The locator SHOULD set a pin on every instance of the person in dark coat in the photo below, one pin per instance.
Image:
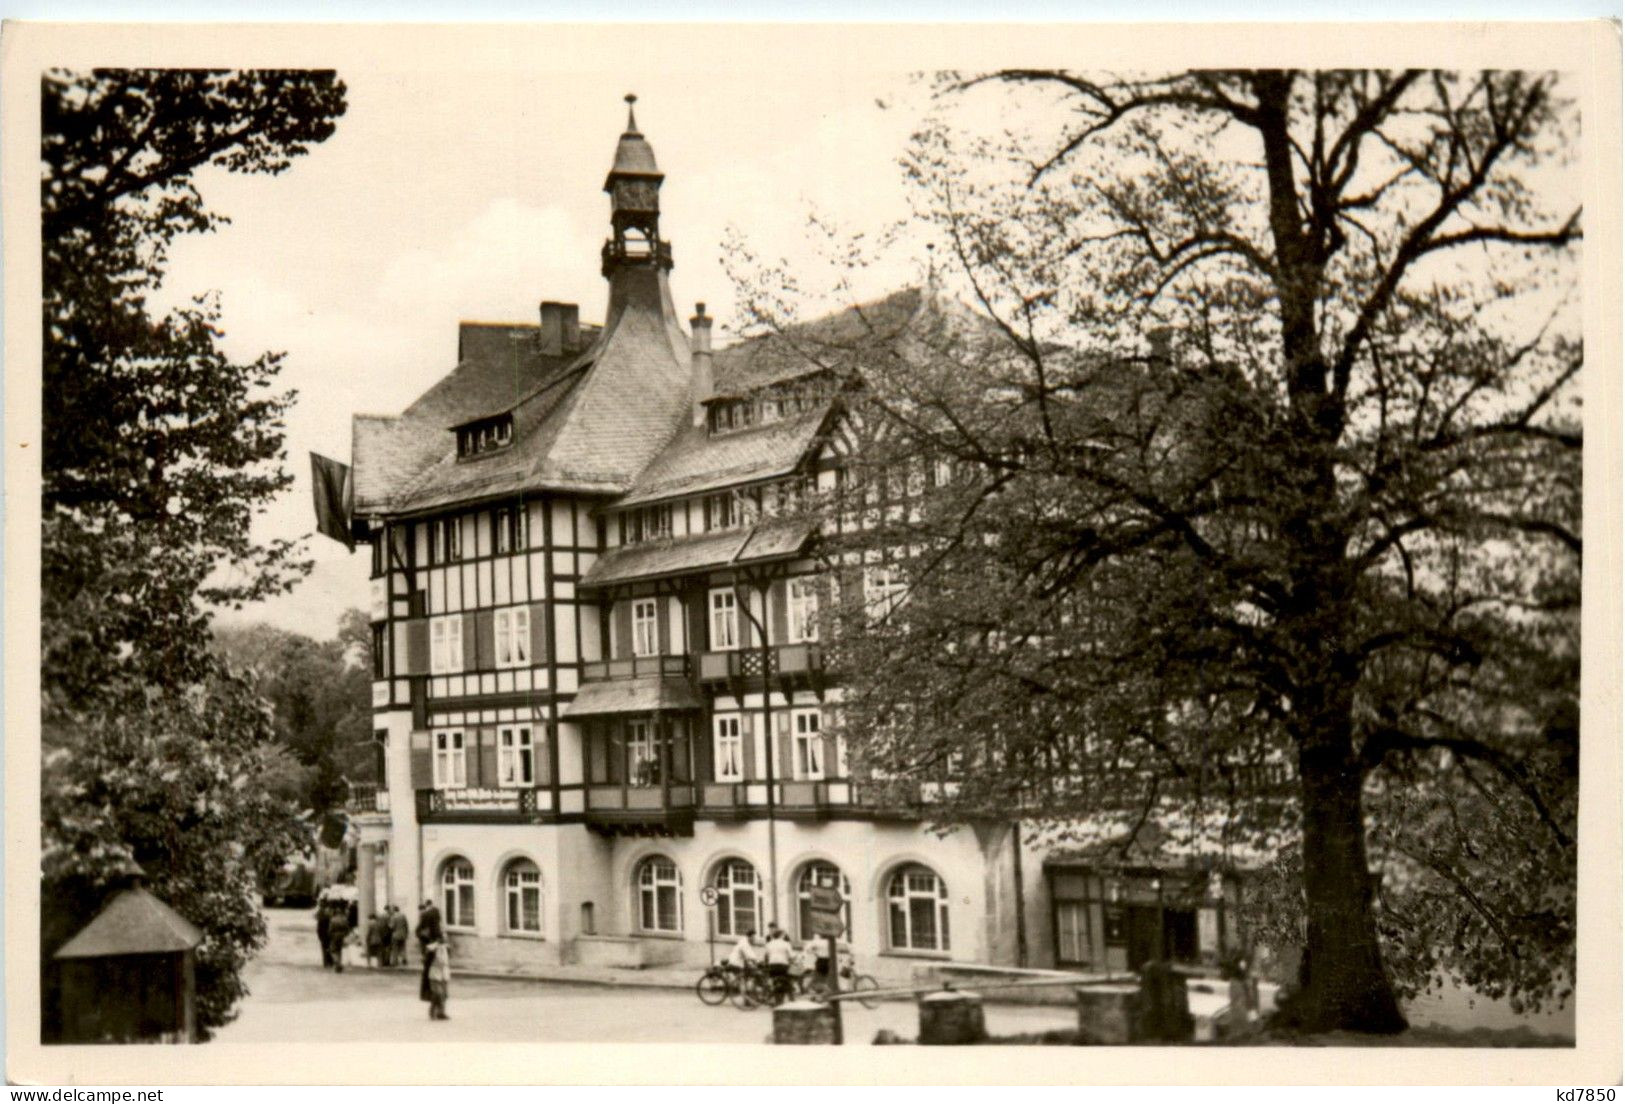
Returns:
(324, 920)
(428, 933)
(377, 941)
(338, 930)
(399, 929)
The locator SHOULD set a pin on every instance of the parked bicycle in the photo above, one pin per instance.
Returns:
(816, 985)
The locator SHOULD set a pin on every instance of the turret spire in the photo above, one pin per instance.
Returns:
(633, 185)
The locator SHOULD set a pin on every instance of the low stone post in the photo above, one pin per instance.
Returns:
(1165, 1007)
(807, 1023)
(951, 1018)
(1107, 1014)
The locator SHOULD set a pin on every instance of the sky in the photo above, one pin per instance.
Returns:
(444, 196)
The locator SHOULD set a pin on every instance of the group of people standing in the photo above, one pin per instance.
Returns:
(778, 953)
(384, 940)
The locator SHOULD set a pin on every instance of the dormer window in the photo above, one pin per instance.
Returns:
(486, 435)
(646, 524)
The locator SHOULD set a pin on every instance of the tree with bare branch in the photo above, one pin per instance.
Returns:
(1259, 460)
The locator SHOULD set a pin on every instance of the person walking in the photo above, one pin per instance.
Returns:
(438, 973)
(428, 932)
(338, 930)
(399, 929)
(324, 921)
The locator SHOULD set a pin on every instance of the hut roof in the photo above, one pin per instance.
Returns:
(133, 922)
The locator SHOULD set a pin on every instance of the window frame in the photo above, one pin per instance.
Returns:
(511, 629)
(647, 891)
(808, 767)
(449, 748)
(731, 608)
(719, 736)
(516, 756)
(446, 644)
(457, 894)
(728, 890)
(901, 904)
(801, 609)
(641, 734)
(881, 599)
(515, 888)
(645, 630)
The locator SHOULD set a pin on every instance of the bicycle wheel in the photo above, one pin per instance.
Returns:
(713, 987)
(815, 986)
(864, 984)
(746, 991)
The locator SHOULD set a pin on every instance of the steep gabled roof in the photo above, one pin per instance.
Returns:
(498, 364)
(772, 539)
(695, 461)
(833, 342)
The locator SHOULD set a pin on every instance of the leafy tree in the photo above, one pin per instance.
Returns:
(1254, 498)
(158, 450)
(321, 700)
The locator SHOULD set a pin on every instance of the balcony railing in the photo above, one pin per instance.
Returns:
(671, 666)
(367, 797)
(639, 810)
(748, 663)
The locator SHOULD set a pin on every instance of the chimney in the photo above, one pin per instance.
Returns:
(699, 348)
(561, 328)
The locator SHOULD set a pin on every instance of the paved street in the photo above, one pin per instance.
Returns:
(295, 1001)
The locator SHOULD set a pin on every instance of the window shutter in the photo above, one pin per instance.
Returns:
(417, 647)
(779, 612)
(487, 757)
(422, 761)
(785, 766)
(614, 752)
(470, 642)
(540, 764)
(704, 735)
(623, 629)
(699, 621)
(538, 632)
(747, 737)
(663, 626)
(486, 637)
(829, 754)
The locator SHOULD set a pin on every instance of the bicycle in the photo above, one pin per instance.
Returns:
(816, 986)
(717, 984)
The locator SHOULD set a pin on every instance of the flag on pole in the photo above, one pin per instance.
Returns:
(335, 498)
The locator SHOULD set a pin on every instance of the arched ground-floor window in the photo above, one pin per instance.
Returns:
(457, 893)
(522, 898)
(917, 910)
(659, 889)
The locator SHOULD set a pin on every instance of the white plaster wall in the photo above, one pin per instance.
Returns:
(405, 890)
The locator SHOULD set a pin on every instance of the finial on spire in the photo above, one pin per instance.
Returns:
(631, 119)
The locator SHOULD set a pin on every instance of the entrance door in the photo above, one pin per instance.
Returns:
(1144, 935)
(1179, 929)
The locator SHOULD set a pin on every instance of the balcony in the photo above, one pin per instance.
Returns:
(796, 800)
(367, 799)
(797, 662)
(483, 805)
(669, 666)
(641, 810)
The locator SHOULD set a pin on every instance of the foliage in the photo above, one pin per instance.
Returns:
(158, 450)
(320, 697)
(1253, 498)
(172, 781)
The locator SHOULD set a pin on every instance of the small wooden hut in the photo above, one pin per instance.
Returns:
(129, 975)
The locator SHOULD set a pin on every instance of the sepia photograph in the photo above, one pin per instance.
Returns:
(761, 537)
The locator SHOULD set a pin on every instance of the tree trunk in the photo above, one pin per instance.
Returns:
(1345, 985)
